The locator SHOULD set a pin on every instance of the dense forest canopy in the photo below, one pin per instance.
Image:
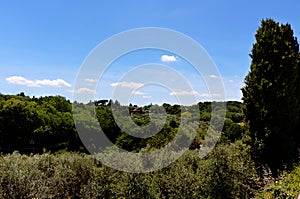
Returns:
(46, 123)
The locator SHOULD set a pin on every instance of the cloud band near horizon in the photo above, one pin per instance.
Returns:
(19, 80)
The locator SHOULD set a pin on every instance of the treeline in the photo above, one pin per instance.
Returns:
(32, 125)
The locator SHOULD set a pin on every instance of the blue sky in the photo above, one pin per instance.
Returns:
(44, 43)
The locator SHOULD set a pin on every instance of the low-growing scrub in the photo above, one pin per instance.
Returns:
(288, 187)
(227, 172)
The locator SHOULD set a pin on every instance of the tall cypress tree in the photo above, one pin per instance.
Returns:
(270, 94)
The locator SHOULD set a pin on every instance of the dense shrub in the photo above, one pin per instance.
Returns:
(289, 187)
(50, 176)
(227, 172)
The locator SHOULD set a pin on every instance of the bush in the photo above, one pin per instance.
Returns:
(50, 176)
(289, 187)
(227, 172)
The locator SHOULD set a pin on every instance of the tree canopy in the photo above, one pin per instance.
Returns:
(270, 94)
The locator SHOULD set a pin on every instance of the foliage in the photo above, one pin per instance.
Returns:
(268, 121)
(286, 188)
(46, 176)
(31, 124)
(228, 172)
(270, 96)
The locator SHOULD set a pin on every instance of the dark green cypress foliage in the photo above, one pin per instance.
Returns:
(270, 94)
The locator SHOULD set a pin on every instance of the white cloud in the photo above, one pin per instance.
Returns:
(242, 84)
(146, 96)
(204, 95)
(230, 81)
(54, 83)
(37, 83)
(213, 76)
(90, 80)
(210, 95)
(127, 84)
(21, 81)
(83, 91)
(137, 93)
(194, 93)
(168, 58)
(173, 93)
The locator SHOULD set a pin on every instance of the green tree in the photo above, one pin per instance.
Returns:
(17, 121)
(270, 99)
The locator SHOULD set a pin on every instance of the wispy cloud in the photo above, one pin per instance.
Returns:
(138, 93)
(210, 95)
(178, 93)
(83, 91)
(168, 58)
(146, 96)
(213, 76)
(127, 84)
(90, 80)
(37, 83)
(194, 93)
(242, 84)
